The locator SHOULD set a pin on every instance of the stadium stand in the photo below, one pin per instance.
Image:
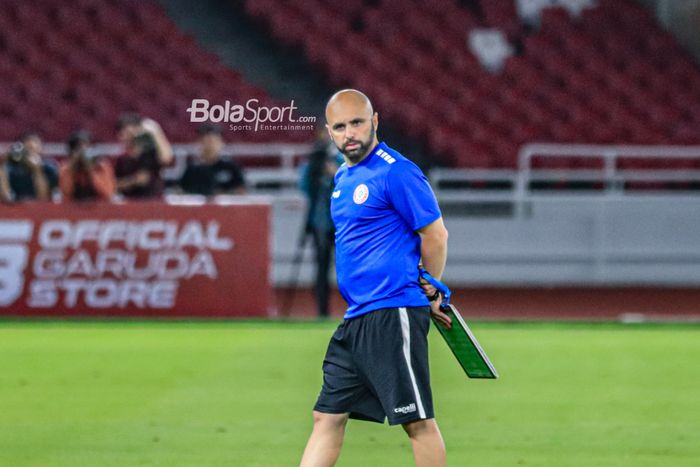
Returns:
(606, 75)
(609, 75)
(66, 65)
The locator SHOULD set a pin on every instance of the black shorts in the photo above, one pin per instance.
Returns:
(376, 366)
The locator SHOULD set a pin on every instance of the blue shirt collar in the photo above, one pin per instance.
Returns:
(380, 145)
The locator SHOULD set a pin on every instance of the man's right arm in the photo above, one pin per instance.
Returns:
(103, 181)
(41, 184)
(5, 196)
(66, 184)
(164, 149)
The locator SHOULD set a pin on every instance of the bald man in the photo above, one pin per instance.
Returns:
(387, 220)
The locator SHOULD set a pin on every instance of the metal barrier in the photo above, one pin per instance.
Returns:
(516, 185)
(500, 184)
(610, 174)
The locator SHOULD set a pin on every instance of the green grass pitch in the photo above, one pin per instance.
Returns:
(240, 394)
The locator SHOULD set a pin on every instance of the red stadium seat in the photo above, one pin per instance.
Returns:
(86, 61)
(610, 76)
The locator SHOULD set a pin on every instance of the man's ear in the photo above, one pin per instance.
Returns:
(375, 120)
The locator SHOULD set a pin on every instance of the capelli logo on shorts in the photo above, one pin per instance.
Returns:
(405, 409)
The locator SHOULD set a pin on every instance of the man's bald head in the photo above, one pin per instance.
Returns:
(352, 124)
(349, 98)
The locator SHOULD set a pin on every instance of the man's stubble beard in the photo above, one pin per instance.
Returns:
(356, 155)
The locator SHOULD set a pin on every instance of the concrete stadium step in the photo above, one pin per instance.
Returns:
(223, 29)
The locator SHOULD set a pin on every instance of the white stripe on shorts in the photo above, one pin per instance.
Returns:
(406, 334)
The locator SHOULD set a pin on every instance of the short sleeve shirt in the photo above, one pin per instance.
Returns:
(22, 182)
(210, 179)
(377, 207)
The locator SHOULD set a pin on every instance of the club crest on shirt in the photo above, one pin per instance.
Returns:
(361, 194)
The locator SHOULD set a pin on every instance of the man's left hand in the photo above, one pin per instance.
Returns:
(435, 310)
(428, 289)
(440, 315)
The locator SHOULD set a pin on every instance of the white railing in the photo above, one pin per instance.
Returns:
(610, 174)
(498, 185)
(285, 155)
(517, 184)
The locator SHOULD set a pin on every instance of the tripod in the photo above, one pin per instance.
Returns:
(293, 282)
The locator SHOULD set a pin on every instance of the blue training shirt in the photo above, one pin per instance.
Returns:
(377, 206)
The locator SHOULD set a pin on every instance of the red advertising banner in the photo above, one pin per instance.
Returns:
(139, 259)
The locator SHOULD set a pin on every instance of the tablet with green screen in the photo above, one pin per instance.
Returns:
(465, 347)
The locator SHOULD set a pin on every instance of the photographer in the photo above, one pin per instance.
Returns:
(210, 174)
(147, 150)
(83, 178)
(29, 177)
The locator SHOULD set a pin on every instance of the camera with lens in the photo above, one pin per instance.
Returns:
(145, 141)
(17, 153)
(79, 149)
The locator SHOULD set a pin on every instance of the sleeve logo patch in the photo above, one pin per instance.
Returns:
(361, 194)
